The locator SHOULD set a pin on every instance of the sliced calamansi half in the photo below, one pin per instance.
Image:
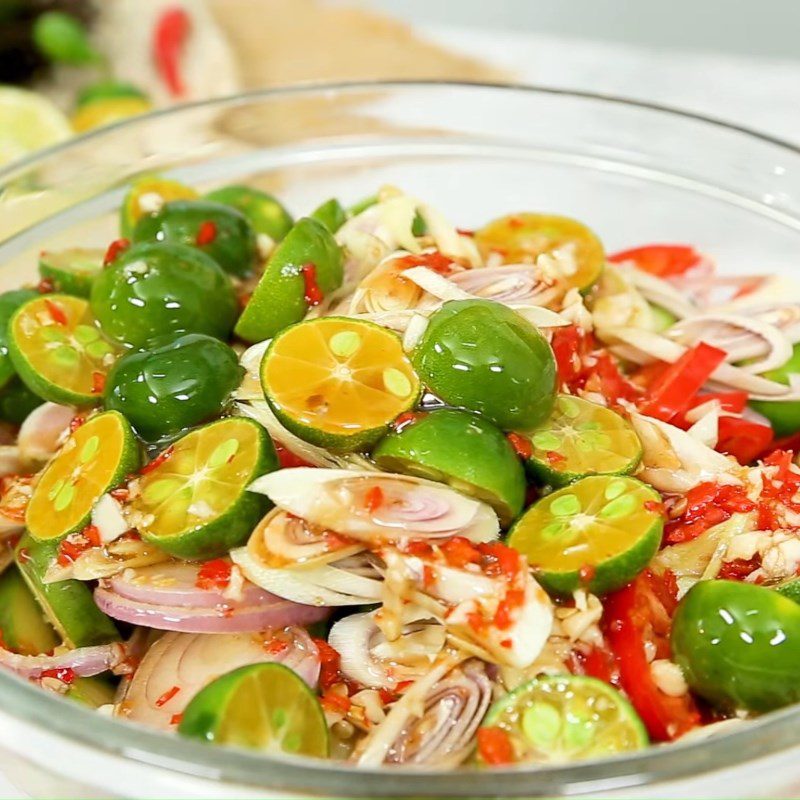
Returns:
(523, 237)
(193, 500)
(581, 438)
(28, 122)
(95, 458)
(598, 532)
(265, 707)
(146, 196)
(71, 271)
(59, 351)
(338, 382)
(565, 718)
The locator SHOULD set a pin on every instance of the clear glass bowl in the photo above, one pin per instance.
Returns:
(634, 173)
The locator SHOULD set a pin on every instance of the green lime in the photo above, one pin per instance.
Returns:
(784, 416)
(68, 605)
(24, 628)
(484, 357)
(108, 90)
(163, 289)
(147, 195)
(789, 588)
(579, 439)
(565, 718)
(217, 230)
(264, 707)
(524, 237)
(29, 121)
(17, 401)
(598, 532)
(63, 38)
(338, 382)
(59, 351)
(9, 302)
(462, 450)
(331, 214)
(95, 458)
(193, 500)
(263, 211)
(71, 271)
(304, 269)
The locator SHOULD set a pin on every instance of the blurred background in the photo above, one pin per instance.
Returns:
(67, 66)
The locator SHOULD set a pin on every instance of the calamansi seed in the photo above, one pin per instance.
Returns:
(396, 382)
(546, 440)
(64, 497)
(621, 506)
(89, 449)
(541, 724)
(567, 505)
(569, 407)
(345, 343)
(55, 489)
(223, 453)
(84, 334)
(614, 489)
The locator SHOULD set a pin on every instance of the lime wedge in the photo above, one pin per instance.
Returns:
(28, 122)
(599, 532)
(582, 438)
(565, 718)
(264, 707)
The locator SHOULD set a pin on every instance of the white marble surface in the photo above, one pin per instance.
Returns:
(756, 92)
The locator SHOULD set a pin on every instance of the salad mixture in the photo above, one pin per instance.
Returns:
(369, 487)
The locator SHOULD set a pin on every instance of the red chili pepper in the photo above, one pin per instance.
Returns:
(57, 314)
(707, 504)
(597, 662)
(312, 294)
(664, 260)
(167, 696)
(554, 457)
(98, 382)
(569, 345)
(68, 552)
(606, 378)
(521, 444)
(500, 560)
(45, 286)
(114, 249)
(633, 617)
(408, 418)
(434, 261)
(743, 439)
(428, 576)
(275, 646)
(214, 574)
(330, 672)
(671, 393)
(176, 719)
(206, 233)
(169, 37)
(460, 551)
(288, 459)
(503, 616)
(373, 499)
(494, 746)
(338, 703)
(465, 232)
(586, 574)
(738, 569)
(63, 674)
(92, 535)
(163, 456)
(75, 423)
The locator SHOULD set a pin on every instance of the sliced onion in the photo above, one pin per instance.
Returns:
(436, 284)
(335, 499)
(368, 658)
(84, 661)
(511, 283)
(250, 387)
(442, 736)
(336, 584)
(659, 292)
(42, 432)
(739, 336)
(178, 665)
(377, 745)
(448, 240)
(257, 611)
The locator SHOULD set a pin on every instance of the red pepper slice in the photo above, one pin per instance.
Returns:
(494, 746)
(169, 36)
(312, 293)
(288, 459)
(673, 391)
(634, 616)
(114, 249)
(664, 260)
(743, 439)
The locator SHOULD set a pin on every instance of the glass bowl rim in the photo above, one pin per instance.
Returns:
(769, 735)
